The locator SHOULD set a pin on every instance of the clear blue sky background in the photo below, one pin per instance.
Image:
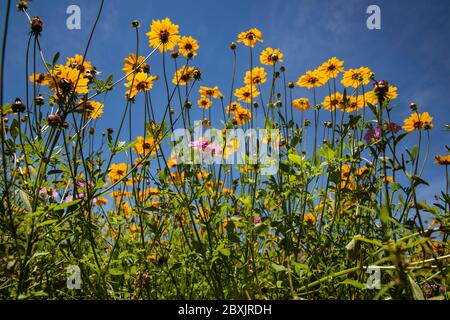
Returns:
(411, 50)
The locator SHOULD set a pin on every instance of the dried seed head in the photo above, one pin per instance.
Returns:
(110, 131)
(206, 123)
(36, 25)
(291, 84)
(282, 69)
(279, 104)
(197, 74)
(255, 104)
(91, 131)
(413, 106)
(39, 100)
(18, 106)
(188, 105)
(22, 5)
(233, 46)
(306, 123)
(54, 120)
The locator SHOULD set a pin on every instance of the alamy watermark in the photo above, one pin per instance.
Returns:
(73, 21)
(374, 20)
(374, 280)
(73, 277)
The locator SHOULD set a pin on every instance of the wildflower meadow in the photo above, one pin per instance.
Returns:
(258, 187)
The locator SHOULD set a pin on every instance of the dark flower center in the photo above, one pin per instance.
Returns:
(164, 36)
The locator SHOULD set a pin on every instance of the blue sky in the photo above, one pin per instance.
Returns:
(410, 51)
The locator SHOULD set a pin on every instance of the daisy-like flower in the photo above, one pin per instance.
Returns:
(100, 202)
(117, 172)
(332, 102)
(270, 56)
(246, 93)
(188, 47)
(250, 37)
(353, 103)
(301, 104)
(242, 116)
(77, 62)
(371, 96)
(130, 63)
(233, 107)
(141, 82)
(418, 121)
(210, 92)
(163, 35)
(183, 75)
(356, 77)
(145, 146)
(204, 102)
(332, 67)
(256, 76)
(311, 79)
(309, 218)
(68, 79)
(93, 109)
(443, 160)
(40, 78)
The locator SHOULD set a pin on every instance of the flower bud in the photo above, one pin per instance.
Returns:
(174, 54)
(413, 106)
(53, 120)
(188, 105)
(255, 104)
(291, 84)
(233, 46)
(36, 25)
(135, 24)
(22, 5)
(110, 131)
(39, 100)
(18, 106)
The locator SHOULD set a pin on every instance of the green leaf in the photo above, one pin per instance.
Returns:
(47, 222)
(278, 268)
(116, 272)
(24, 198)
(417, 292)
(295, 158)
(354, 283)
(55, 58)
(225, 251)
(384, 214)
(414, 152)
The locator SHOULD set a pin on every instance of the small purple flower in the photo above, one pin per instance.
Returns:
(54, 194)
(68, 198)
(199, 144)
(257, 219)
(43, 193)
(393, 127)
(372, 135)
